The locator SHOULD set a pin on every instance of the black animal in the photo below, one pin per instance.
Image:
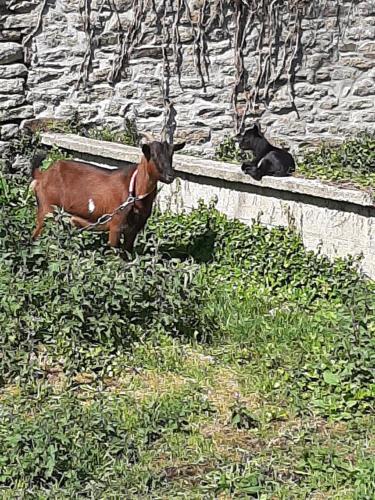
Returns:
(269, 160)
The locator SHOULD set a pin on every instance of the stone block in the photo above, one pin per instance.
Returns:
(10, 52)
(13, 71)
(152, 51)
(19, 21)
(323, 75)
(9, 102)
(357, 62)
(192, 135)
(149, 112)
(343, 73)
(348, 47)
(8, 131)
(12, 86)
(359, 104)
(19, 113)
(364, 87)
(11, 35)
(24, 6)
(328, 103)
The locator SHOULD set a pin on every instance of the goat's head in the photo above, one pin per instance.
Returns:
(160, 156)
(250, 138)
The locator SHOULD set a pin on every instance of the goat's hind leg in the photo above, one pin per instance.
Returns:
(40, 221)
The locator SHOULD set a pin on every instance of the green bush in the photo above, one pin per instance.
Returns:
(129, 135)
(274, 257)
(71, 293)
(353, 161)
(229, 151)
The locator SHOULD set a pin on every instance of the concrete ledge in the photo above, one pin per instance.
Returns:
(211, 169)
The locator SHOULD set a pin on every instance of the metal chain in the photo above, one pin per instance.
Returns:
(103, 219)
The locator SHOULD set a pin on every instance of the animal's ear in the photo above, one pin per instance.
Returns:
(178, 147)
(258, 128)
(146, 151)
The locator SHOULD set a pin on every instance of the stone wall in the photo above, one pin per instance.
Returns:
(72, 55)
(13, 75)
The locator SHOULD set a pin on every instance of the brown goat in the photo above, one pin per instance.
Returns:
(87, 192)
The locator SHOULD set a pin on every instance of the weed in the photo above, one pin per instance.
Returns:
(352, 162)
(228, 150)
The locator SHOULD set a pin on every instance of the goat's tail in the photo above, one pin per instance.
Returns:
(36, 160)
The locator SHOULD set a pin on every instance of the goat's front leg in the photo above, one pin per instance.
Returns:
(114, 236)
(248, 165)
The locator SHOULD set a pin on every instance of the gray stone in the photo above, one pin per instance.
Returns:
(343, 73)
(13, 71)
(323, 75)
(24, 6)
(18, 21)
(12, 86)
(367, 48)
(10, 52)
(149, 112)
(348, 47)
(357, 62)
(328, 103)
(324, 85)
(11, 35)
(9, 102)
(3, 147)
(360, 104)
(193, 136)
(155, 52)
(8, 131)
(16, 113)
(364, 87)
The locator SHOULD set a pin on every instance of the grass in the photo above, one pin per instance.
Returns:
(220, 361)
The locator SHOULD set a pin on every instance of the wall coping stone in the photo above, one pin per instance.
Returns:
(203, 167)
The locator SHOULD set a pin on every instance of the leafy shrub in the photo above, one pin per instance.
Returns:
(129, 135)
(228, 150)
(274, 257)
(352, 161)
(336, 375)
(76, 296)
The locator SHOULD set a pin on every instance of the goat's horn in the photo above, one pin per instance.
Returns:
(148, 136)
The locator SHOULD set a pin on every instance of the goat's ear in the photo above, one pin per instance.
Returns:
(258, 128)
(178, 147)
(146, 151)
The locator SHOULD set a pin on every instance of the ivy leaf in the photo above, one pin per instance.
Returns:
(331, 378)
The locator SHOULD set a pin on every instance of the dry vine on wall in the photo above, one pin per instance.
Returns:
(267, 32)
